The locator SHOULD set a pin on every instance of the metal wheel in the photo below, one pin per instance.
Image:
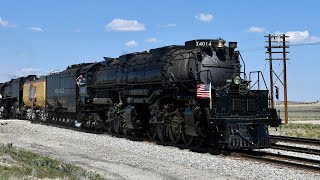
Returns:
(109, 126)
(152, 131)
(60, 118)
(117, 126)
(69, 119)
(13, 112)
(124, 128)
(43, 116)
(30, 114)
(174, 133)
(134, 132)
(199, 141)
(77, 124)
(187, 139)
(162, 132)
(33, 115)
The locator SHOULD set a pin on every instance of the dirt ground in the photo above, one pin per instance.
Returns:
(109, 156)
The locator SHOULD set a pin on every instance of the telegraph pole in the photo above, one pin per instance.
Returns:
(285, 78)
(278, 42)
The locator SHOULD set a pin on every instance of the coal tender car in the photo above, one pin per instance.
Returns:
(194, 93)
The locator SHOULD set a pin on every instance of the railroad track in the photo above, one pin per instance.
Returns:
(296, 149)
(296, 140)
(281, 159)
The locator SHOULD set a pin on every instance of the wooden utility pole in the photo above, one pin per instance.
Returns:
(278, 42)
(271, 70)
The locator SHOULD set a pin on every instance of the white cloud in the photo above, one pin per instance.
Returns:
(131, 43)
(153, 40)
(30, 71)
(204, 17)
(171, 25)
(37, 29)
(300, 37)
(124, 25)
(256, 29)
(314, 40)
(6, 24)
(297, 36)
(27, 71)
(77, 30)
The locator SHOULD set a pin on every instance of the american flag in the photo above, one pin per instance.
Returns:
(204, 90)
(32, 93)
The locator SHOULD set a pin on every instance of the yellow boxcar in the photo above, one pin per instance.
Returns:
(34, 93)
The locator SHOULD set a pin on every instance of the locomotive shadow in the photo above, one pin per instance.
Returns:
(203, 149)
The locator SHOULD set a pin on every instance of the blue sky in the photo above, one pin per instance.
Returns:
(39, 36)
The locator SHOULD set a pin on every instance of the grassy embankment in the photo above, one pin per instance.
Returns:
(304, 121)
(298, 130)
(21, 164)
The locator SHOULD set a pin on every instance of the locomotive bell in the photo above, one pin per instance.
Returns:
(219, 43)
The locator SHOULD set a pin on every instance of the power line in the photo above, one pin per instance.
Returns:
(261, 48)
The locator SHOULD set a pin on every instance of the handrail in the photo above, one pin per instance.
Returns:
(257, 82)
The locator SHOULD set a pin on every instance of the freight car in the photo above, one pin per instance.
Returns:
(34, 98)
(190, 93)
(11, 102)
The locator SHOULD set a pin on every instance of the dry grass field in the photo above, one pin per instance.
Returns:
(302, 113)
(18, 163)
(304, 120)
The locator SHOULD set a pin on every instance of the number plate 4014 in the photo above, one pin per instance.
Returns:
(203, 43)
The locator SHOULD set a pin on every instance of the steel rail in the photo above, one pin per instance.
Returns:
(296, 140)
(290, 161)
(296, 149)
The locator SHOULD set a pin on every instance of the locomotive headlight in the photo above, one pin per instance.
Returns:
(237, 80)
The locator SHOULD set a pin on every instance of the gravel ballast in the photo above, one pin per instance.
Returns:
(119, 158)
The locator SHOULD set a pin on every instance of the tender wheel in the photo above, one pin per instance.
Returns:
(117, 126)
(96, 122)
(162, 132)
(69, 120)
(13, 113)
(152, 131)
(174, 133)
(80, 121)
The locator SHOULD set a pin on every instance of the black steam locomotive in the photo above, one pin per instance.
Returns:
(191, 93)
